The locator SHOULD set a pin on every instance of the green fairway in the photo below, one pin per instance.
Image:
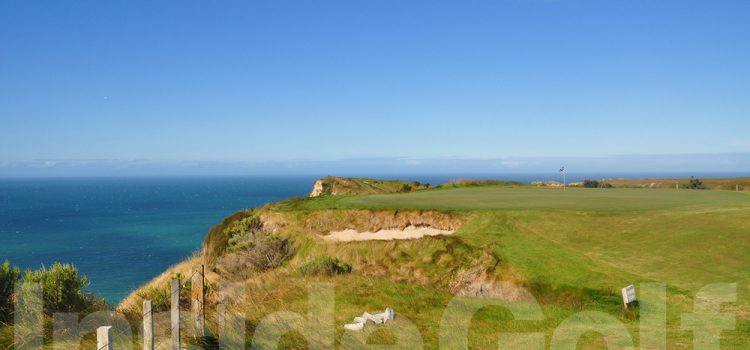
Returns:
(526, 197)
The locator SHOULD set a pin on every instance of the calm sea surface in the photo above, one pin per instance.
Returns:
(121, 232)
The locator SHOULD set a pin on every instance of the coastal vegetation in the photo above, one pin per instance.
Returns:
(64, 291)
(63, 286)
(595, 184)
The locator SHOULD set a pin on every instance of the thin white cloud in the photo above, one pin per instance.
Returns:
(511, 163)
(743, 144)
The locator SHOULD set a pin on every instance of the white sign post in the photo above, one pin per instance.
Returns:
(628, 295)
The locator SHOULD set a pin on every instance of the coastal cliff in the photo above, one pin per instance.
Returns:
(300, 231)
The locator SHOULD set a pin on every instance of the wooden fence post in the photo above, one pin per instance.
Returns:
(198, 304)
(148, 326)
(104, 338)
(221, 322)
(176, 314)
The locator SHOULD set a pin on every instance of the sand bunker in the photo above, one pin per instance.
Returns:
(410, 232)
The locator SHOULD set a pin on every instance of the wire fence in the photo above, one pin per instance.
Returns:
(159, 343)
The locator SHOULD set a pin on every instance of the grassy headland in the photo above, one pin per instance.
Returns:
(571, 250)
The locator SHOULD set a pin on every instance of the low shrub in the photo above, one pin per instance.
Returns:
(325, 265)
(269, 252)
(256, 251)
(595, 184)
(217, 239)
(63, 288)
(242, 233)
(695, 184)
(590, 184)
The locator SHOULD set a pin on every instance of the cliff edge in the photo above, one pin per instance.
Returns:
(349, 186)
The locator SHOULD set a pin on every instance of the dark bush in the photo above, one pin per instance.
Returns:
(595, 184)
(590, 183)
(217, 239)
(63, 288)
(325, 265)
(695, 183)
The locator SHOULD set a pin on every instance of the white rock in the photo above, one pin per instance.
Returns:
(354, 326)
(359, 322)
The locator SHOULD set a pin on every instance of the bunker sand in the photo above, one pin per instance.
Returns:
(409, 232)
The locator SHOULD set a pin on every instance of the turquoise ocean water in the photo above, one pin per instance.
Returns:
(121, 232)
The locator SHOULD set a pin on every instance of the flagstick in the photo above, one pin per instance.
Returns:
(562, 170)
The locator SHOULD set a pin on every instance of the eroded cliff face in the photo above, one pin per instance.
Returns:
(318, 189)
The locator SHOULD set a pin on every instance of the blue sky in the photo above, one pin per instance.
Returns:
(241, 83)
